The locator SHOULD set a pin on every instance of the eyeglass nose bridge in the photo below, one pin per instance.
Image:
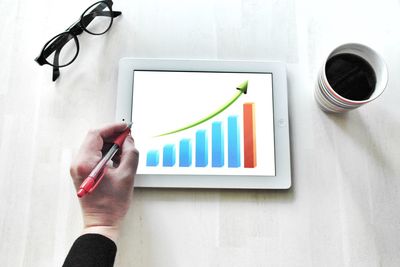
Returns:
(76, 28)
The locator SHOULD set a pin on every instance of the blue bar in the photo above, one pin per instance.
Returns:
(201, 148)
(152, 158)
(233, 142)
(169, 155)
(217, 145)
(185, 153)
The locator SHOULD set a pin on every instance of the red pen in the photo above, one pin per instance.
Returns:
(97, 174)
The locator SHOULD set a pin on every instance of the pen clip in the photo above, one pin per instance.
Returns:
(100, 177)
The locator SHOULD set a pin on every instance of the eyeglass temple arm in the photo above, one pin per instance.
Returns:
(56, 70)
(107, 13)
(116, 13)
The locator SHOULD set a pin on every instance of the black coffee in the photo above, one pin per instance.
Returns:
(351, 76)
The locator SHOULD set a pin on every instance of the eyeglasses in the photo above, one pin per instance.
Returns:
(63, 48)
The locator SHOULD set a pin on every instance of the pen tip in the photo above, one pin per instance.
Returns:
(129, 125)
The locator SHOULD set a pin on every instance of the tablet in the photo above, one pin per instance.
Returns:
(207, 124)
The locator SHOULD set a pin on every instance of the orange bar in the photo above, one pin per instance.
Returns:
(249, 134)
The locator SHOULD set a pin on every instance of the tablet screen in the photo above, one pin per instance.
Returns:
(203, 123)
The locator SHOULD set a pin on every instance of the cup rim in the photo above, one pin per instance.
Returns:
(346, 100)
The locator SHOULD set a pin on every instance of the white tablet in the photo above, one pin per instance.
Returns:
(207, 124)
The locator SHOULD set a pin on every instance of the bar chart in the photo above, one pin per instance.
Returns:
(181, 154)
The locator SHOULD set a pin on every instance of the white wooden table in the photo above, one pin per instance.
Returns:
(344, 207)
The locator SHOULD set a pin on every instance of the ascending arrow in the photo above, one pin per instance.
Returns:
(242, 90)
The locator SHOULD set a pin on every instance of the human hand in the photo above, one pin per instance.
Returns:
(104, 208)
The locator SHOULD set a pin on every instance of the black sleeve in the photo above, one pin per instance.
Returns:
(91, 250)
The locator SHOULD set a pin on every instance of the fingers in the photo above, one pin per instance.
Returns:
(111, 130)
(129, 156)
(92, 143)
(95, 138)
(129, 159)
(80, 169)
(88, 155)
(90, 151)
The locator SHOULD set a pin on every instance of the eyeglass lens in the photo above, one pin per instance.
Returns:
(97, 19)
(66, 52)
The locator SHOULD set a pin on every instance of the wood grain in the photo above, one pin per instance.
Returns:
(343, 209)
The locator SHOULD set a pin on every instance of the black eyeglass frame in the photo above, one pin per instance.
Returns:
(58, 41)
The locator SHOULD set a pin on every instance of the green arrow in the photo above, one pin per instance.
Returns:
(242, 90)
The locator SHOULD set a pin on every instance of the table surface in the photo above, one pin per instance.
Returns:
(343, 208)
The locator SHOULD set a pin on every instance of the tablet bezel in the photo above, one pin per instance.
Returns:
(282, 179)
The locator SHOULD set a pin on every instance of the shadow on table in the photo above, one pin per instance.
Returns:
(355, 126)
